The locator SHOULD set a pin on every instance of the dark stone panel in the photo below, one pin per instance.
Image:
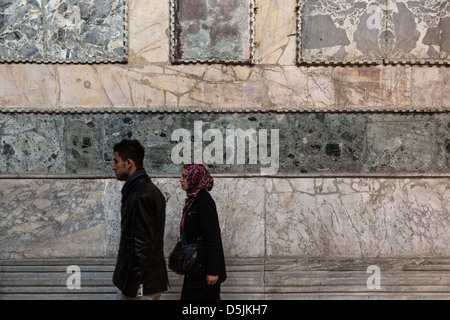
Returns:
(401, 146)
(84, 136)
(117, 127)
(21, 30)
(32, 143)
(212, 30)
(229, 143)
(315, 143)
(443, 142)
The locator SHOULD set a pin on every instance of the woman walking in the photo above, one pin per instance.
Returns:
(200, 224)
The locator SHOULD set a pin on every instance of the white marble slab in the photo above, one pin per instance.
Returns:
(259, 217)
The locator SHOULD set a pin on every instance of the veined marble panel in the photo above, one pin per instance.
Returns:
(259, 217)
(418, 31)
(371, 31)
(358, 217)
(143, 87)
(240, 207)
(62, 31)
(52, 218)
(275, 32)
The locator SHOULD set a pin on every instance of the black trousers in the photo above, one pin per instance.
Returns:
(207, 293)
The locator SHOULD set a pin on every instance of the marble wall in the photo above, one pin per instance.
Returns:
(327, 31)
(43, 218)
(260, 217)
(296, 144)
(364, 154)
(335, 192)
(275, 81)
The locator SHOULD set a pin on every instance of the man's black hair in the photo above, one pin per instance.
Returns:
(131, 149)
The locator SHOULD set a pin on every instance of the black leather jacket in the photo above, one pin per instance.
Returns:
(201, 221)
(141, 258)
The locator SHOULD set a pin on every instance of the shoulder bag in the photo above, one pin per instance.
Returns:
(182, 258)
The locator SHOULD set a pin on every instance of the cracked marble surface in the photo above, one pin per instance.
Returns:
(357, 217)
(222, 88)
(64, 31)
(41, 219)
(259, 217)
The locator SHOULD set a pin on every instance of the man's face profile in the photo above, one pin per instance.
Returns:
(120, 167)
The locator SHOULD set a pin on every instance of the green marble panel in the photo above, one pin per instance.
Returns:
(62, 31)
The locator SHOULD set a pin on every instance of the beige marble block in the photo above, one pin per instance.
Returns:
(275, 32)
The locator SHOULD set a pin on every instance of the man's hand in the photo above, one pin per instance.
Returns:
(211, 280)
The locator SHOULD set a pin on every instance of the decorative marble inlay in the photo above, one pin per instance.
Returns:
(62, 31)
(418, 31)
(212, 31)
(307, 144)
(338, 31)
(374, 31)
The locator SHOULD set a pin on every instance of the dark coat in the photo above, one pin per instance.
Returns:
(201, 221)
(141, 258)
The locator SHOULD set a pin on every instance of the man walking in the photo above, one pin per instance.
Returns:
(140, 271)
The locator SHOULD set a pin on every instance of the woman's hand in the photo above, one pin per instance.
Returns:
(211, 280)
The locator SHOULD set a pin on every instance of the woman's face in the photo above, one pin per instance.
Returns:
(183, 180)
